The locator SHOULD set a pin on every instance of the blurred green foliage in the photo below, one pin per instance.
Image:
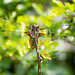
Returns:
(16, 57)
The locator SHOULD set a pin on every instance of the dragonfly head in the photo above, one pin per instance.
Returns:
(36, 29)
(36, 26)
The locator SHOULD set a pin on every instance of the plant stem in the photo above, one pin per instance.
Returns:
(69, 16)
(37, 50)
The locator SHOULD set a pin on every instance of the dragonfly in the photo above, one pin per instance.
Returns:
(31, 35)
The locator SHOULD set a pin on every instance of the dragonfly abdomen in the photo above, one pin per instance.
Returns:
(32, 42)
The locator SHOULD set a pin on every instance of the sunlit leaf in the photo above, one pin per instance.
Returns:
(59, 3)
(70, 6)
(54, 43)
(38, 8)
(45, 55)
(74, 1)
(0, 57)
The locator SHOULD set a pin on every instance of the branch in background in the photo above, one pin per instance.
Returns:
(69, 16)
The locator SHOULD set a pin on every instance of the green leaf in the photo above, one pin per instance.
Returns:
(59, 3)
(70, 6)
(0, 57)
(38, 8)
(45, 55)
(74, 1)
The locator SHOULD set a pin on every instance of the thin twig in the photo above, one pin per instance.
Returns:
(69, 16)
(37, 50)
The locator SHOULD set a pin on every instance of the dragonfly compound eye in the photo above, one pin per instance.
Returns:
(35, 25)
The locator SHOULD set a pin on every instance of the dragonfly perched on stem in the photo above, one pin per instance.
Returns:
(31, 35)
(34, 34)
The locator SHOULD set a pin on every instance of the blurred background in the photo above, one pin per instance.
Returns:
(58, 19)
